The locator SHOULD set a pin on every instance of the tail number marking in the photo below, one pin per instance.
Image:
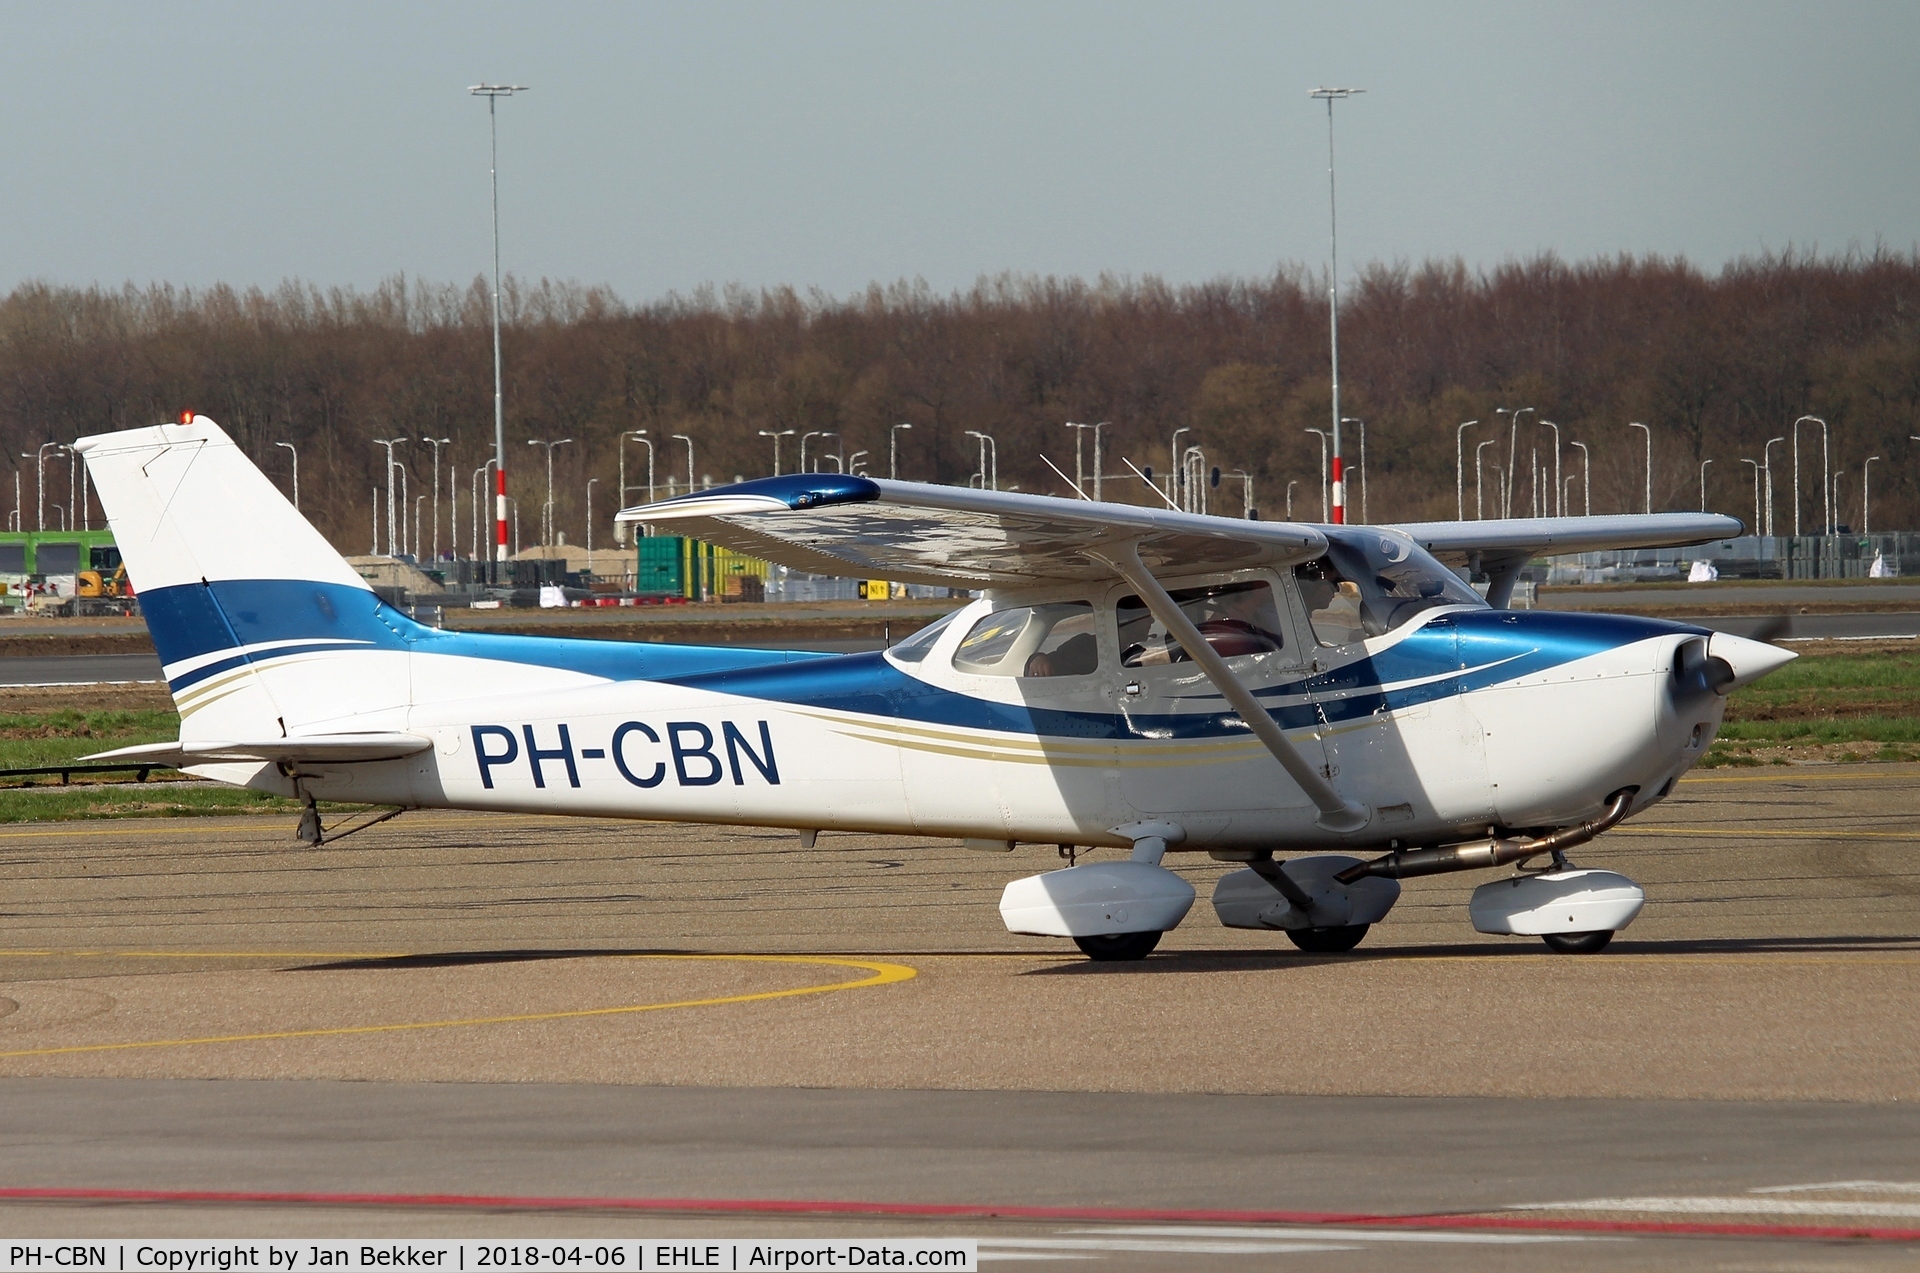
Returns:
(690, 745)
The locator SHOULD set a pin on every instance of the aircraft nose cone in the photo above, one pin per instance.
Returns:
(1750, 660)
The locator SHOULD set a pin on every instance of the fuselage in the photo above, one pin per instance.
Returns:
(1457, 719)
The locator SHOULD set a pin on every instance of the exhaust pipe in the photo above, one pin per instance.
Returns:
(1480, 854)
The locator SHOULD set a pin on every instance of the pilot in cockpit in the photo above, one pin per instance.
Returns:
(1332, 601)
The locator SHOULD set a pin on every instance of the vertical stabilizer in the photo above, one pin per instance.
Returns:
(249, 606)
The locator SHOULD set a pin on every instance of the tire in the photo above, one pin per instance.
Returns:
(1115, 947)
(1578, 943)
(1327, 941)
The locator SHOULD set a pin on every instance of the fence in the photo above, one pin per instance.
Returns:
(1748, 557)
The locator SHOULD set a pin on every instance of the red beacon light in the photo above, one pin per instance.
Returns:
(186, 417)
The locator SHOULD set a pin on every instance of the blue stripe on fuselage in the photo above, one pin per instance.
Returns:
(191, 620)
(1451, 653)
(1493, 646)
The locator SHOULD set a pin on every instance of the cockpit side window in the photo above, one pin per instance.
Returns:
(1368, 584)
(1056, 639)
(914, 649)
(1235, 618)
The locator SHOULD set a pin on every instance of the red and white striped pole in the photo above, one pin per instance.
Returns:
(1331, 95)
(493, 92)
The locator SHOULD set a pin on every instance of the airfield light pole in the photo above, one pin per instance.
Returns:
(776, 435)
(1173, 466)
(1649, 432)
(1330, 96)
(640, 436)
(1756, 491)
(1193, 471)
(1291, 483)
(1363, 463)
(389, 443)
(493, 93)
(989, 471)
(1559, 496)
(810, 433)
(1766, 467)
(855, 464)
(73, 487)
(1866, 472)
(1246, 492)
(1323, 472)
(681, 437)
(296, 473)
(40, 483)
(1839, 501)
(401, 469)
(548, 511)
(436, 444)
(1586, 479)
(1079, 467)
(1098, 462)
(1513, 454)
(478, 484)
(1826, 475)
(893, 450)
(1479, 470)
(590, 482)
(1460, 470)
(1703, 484)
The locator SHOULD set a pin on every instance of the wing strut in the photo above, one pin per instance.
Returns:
(1336, 815)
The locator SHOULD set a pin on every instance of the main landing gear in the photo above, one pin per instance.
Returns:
(1115, 947)
(1337, 940)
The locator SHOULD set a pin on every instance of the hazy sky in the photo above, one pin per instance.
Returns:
(668, 145)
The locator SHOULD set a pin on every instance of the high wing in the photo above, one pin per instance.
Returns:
(831, 524)
(1541, 536)
(1501, 547)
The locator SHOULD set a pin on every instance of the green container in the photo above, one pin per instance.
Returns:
(662, 567)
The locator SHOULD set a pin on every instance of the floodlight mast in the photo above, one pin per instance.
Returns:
(1331, 95)
(493, 92)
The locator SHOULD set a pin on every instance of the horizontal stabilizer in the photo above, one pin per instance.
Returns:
(316, 749)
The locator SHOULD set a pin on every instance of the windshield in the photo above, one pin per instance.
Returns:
(1370, 583)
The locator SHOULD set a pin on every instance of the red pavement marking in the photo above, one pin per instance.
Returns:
(963, 1211)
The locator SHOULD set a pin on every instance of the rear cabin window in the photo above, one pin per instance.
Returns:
(1056, 639)
(1235, 619)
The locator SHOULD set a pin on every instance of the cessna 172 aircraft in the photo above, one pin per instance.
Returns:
(1330, 708)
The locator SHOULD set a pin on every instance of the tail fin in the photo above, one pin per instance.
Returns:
(248, 605)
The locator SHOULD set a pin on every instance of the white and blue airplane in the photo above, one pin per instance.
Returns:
(1330, 708)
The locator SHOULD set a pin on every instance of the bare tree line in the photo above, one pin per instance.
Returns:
(1714, 364)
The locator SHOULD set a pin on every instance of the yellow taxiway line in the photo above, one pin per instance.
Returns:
(882, 974)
